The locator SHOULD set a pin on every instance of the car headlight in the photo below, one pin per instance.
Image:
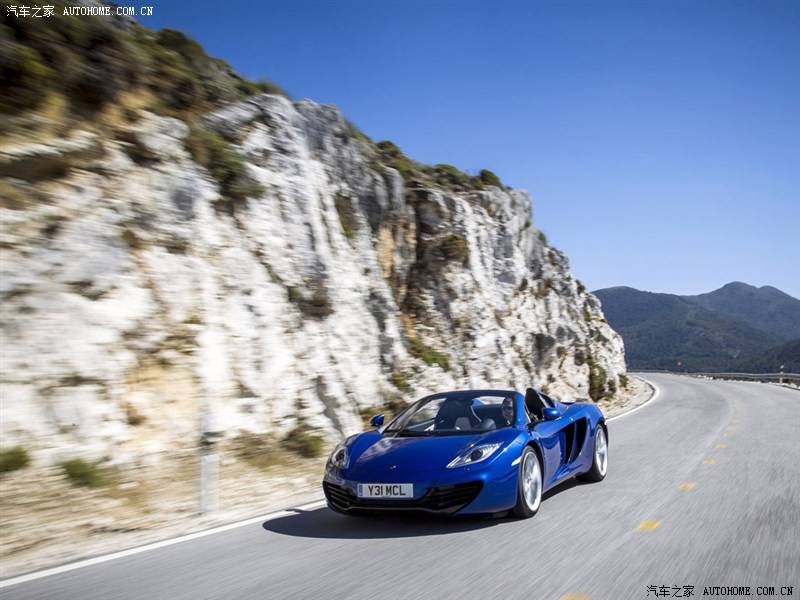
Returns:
(339, 457)
(474, 455)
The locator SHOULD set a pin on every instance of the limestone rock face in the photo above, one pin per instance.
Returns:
(137, 311)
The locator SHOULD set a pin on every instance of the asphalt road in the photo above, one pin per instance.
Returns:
(703, 490)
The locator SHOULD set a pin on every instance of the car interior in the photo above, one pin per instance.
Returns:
(470, 415)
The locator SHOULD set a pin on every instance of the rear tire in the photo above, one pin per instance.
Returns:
(600, 458)
(529, 485)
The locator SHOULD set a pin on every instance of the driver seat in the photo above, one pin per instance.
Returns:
(456, 414)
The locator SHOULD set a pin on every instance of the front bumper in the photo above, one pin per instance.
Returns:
(444, 499)
(463, 491)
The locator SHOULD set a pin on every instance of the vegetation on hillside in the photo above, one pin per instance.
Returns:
(13, 459)
(599, 387)
(83, 473)
(439, 176)
(771, 360)
(225, 164)
(84, 64)
(90, 61)
(426, 354)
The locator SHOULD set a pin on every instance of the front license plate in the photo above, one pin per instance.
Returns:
(386, 490)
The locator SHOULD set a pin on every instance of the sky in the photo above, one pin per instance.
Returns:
(660, 141)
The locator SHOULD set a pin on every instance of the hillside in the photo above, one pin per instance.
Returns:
(765, 308)
(185, 249)
(770, 361)
(728, 329)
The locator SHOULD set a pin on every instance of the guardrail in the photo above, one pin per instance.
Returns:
(790, 378)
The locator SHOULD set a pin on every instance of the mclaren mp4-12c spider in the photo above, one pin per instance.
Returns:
(468, 452)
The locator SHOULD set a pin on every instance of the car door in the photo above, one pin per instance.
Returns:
(561, 440)
(551, 441)
(551, 438)
(574, 433)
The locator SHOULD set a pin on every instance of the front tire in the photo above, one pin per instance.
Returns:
(600, 460)
(529, 485)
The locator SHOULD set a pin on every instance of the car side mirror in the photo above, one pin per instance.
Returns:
(376, 421)
(550, 414)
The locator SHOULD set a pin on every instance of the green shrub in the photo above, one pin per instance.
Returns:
(390, 155)
(454, 247)
(90, 61)
(391, 404)
(355, 132)
(259, 450)
(83, 473)
(623, 380)
(399, 380)
(14, 458)
(314, 303)
(440, 175)
(347, 217)
(183, 45)
(200, 81)
(304, 441)
(448, 176)
(225, 164)
(86, 58)
(106, 67)
(587, 314)
(427, 354)
(26, 78)
(597, 379)
(488, 178)
(262, 86)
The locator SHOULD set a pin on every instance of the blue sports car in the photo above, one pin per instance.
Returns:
(468, 452)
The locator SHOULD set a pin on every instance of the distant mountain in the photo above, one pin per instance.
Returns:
(766, 308)
(737, 327)
(770, 361)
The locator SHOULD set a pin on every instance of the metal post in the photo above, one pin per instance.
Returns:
(209, 476)
(209, 462)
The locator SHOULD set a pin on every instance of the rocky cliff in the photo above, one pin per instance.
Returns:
(149, 293)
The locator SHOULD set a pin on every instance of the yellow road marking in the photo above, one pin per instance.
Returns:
(722, 445)
(649, 525)
(708, 461)
(576, 597)
(687, 487)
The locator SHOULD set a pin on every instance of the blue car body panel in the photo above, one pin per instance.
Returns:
(565, 446)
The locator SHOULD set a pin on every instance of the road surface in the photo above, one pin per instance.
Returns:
(703, 490)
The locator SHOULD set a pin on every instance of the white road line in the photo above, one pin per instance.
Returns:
(139, 549)
(193, 536)
(656, 392)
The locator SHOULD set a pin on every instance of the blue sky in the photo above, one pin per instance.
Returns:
(660, 141)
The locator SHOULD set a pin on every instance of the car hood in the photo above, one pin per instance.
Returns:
(411, 456)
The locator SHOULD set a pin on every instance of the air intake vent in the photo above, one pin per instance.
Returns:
(442, 499)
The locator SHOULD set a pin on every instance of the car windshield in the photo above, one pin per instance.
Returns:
(456, 414)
